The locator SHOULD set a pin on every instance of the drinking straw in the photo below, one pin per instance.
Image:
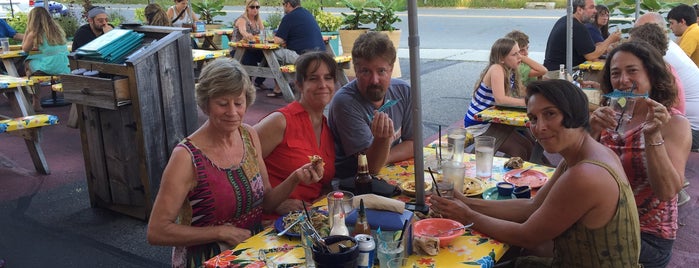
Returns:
(623, 110)
(308, 215)
(439, 148)
(434, 181)
(400, 238)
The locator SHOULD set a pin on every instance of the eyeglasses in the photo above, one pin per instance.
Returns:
(254, 7)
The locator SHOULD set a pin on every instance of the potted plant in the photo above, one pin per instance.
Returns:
(208, 9)
(329, 24)
(353, 27)
(383, 15)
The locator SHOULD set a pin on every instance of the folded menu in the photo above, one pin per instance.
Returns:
(112, 47)
(387, 220)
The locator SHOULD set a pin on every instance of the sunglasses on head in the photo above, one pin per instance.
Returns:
(254, 7)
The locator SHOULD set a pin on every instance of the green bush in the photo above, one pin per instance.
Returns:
(328, 22)
(69, 24)
(273, 20)
(19, 23)
(140, 14)
(115, 18)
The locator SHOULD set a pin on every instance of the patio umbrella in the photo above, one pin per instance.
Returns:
(416, 100)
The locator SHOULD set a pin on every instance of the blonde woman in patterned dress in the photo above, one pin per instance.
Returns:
(215, 186)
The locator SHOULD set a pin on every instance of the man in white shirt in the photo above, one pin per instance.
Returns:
(688, 73)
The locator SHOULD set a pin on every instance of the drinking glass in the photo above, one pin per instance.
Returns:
(454, 172)
(5, 44)
(457, 138)
(485, 150)
(346, 203)
(443, 155)
(398, 263)
(269, 34)
(388, 249)
(623, 107)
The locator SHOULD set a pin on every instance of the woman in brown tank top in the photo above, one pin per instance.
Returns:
(587, 208)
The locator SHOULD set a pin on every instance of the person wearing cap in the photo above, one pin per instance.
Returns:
(97, 25)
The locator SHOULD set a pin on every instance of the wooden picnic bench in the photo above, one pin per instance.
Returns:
(55, 82)
(28, 124)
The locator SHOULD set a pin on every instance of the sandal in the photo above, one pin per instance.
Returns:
(274, 94)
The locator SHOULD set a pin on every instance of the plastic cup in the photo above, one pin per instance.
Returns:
(388, 249)
(446, 155)
(5, 44)
(623, 108)
(485, 150)
(398, 263)
(346, 203)
(455, 172)
(307, 244)
(457, 138)
(269, 36)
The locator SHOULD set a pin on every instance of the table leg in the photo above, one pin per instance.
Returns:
(32, 137)
(10, 67)
(278, 75)
(209, 41)
(238, 54)
(340, 74)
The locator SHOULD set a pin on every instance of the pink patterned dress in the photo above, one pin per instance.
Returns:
(222, 196)
(657, 217)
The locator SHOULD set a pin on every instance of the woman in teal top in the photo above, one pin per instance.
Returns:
(44, 34)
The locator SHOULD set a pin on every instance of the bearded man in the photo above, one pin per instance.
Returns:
(97, 25)
(373, 113)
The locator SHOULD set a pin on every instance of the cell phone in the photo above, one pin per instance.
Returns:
(424, 209)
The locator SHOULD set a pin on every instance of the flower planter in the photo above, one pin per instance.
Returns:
(347, 38)
(395, 38)
(334, 43)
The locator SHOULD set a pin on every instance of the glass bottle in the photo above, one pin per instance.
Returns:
(362, 224)
(362, 183)
(338, 215)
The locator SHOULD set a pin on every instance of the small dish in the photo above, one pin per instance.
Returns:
(531, 178)
(492, 194)
(429, 227)
(408, 187)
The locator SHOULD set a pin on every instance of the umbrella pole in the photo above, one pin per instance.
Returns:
(416, 99)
